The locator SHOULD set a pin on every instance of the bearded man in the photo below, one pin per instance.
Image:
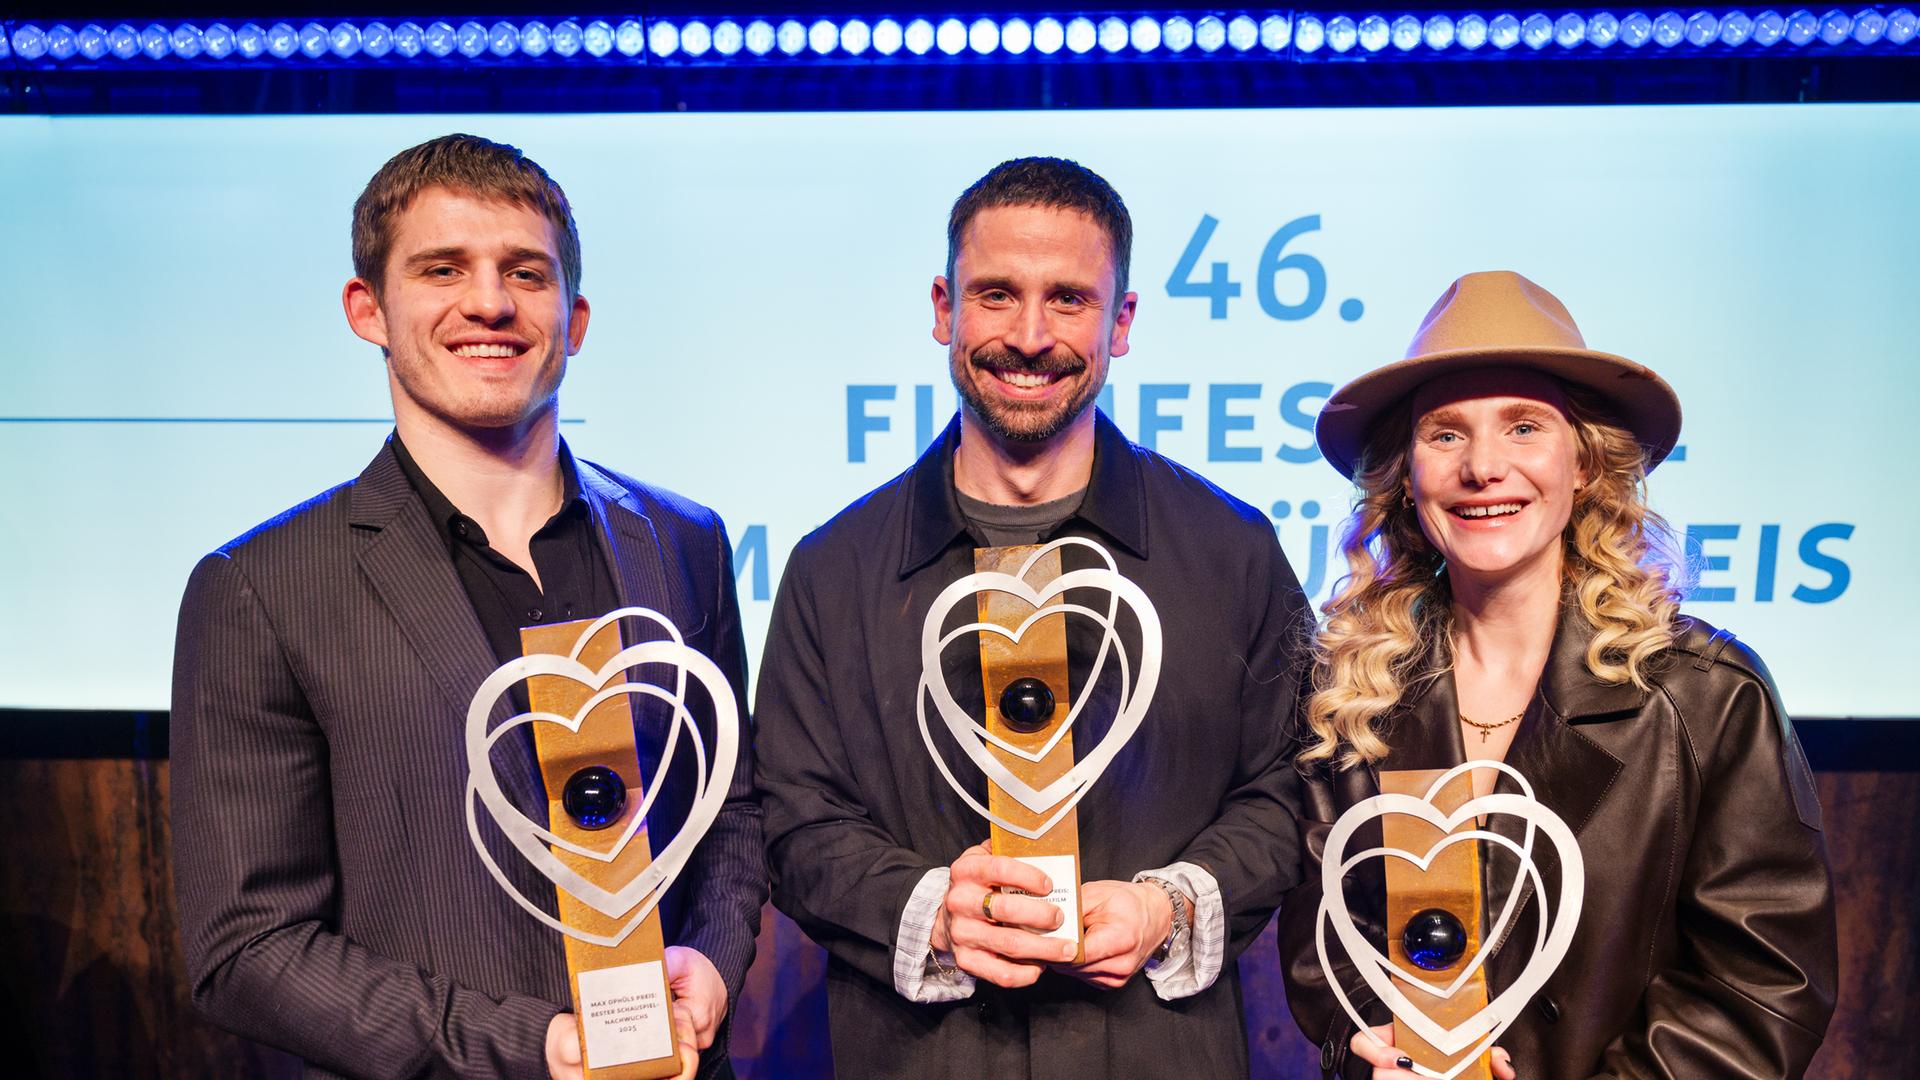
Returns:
(1188, 839)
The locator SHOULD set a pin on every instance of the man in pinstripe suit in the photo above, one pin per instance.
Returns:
(330, 901)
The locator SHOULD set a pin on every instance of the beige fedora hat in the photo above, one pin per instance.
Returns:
(1495, 319)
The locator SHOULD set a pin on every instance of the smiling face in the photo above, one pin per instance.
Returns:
(474, 313)
(1494, 466)
(1031, 319)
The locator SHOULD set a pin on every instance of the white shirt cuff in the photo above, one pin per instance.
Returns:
(914, 976)
(1192, 966)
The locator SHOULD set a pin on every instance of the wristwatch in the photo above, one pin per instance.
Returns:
(1182, 919)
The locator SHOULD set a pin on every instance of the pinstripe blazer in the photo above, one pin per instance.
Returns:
(331, 903)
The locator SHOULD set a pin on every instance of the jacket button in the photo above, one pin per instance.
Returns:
(1548, 1009)
(1328, 1058)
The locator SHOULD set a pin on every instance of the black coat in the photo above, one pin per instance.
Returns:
(856, 812)
(1706, 944)
(331, 903)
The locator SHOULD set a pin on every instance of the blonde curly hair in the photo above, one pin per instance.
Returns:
(1389, 623)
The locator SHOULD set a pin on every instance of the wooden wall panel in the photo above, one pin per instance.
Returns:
(92, 983)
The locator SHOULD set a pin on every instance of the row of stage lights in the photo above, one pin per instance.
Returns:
(698, 41)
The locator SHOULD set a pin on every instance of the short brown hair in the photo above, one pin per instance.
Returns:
(470, 165)
(1051, 182)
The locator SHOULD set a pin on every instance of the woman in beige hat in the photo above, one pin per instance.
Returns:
(1505, 601)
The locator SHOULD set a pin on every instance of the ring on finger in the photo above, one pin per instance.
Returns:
(986, 906)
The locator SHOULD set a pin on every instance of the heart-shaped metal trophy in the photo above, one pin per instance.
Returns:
(639, 896)
(580, 682)
(1461, 1042)
(1056, 798)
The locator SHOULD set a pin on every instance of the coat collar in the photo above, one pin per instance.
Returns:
(1116, 501)
(1569, 772)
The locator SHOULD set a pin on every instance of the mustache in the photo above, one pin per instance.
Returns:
(1057, 361)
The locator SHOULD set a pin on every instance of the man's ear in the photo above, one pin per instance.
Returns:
(942, 310)
(1122, 323)
(577, 325)
(362, 303)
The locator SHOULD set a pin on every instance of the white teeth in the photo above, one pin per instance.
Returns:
(497, 351)
(1497, 510)
(1023, 379)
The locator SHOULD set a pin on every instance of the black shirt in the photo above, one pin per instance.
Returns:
(578, 583)
(1002, 525)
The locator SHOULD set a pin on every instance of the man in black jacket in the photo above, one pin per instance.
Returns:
(330, 899)
(1187, 840)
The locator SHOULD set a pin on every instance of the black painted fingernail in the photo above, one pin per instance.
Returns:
(1403, 1062)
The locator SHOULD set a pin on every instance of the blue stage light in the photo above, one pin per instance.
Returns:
(283, 40)
(1802, 27)
(758, 37)
(408, 39)
(855, 37)
(663, 38)
(919, 37)
(471, 39)
(503, 39)
(1177, 34)
(315, 41)
(983, 37)
(1901, 25)
(951, 37)
(1536, 31)
(435, 40)
(1308, 36)
(29, 42)
(1374, 33)
(1144, 34)
(1868, 26)
(60, 44)
(1309, 33)
(1243, 33)
(1341, 33)
(186, 41)
(1049, 36)
(1405, 33)
(1016, 36)
(1636, 30)
(629, 39)
(91, 40)
(1504, 32)
(1470, 32)
(1668, 29)
(1081, 35)
(790, 37)
(1276, 32)
(1210, 33)
(823, 37)
(155, 42)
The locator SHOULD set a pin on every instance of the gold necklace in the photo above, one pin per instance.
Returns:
(1486, 729)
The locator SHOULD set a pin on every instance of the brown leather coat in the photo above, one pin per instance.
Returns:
(1705, 946)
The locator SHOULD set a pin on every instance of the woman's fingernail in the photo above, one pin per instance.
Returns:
(1403, 1062)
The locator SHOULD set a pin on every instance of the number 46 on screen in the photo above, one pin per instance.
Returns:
(1279, 270)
